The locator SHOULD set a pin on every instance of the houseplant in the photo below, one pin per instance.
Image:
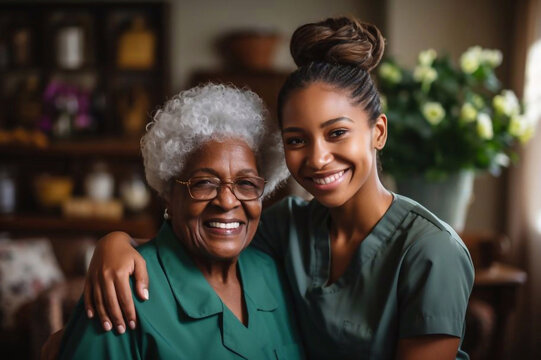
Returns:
(447, 122)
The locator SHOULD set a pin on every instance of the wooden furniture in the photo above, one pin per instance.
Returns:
(496, 284)
(37, 319)
(80, 50)
(499, 285)
(103, 26)
(73, 158)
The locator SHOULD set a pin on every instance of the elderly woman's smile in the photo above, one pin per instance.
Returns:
(212, 156)
(206, 213)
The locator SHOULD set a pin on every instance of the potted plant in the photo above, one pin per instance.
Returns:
(446, 123)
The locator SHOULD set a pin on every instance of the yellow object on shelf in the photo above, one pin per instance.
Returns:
(51, 190)
(87, 208)
(136, 47)
(134, 107)
(23, 137)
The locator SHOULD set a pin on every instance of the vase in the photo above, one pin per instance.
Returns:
(134, 193)
(70, 47)
(448, 199)
(100, 183)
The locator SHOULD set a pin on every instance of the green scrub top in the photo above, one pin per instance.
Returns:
(411, 276)
(185, 319)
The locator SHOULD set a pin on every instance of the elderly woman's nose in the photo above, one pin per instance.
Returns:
(226, 199)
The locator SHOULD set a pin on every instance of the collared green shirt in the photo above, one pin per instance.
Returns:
(185, 319)
(411, 276)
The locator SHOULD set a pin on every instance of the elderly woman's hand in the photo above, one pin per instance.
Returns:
(107, 286)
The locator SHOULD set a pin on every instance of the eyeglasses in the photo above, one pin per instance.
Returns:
(206, 188)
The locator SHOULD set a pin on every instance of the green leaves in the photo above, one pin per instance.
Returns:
(444, 118)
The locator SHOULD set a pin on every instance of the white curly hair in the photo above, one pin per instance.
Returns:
(210, 112)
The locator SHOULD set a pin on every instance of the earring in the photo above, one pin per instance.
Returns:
(166, 215)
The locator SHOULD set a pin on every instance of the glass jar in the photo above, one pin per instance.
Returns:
(8, 191)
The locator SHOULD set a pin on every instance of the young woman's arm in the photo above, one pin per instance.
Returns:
(107, 287)
(428, 347)
(436, 279)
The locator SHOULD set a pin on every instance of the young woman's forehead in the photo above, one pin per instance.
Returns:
(320, 106)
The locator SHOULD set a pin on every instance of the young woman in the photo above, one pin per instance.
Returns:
(374, 275)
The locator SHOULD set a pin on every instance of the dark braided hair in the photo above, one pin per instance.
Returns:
(340, 52)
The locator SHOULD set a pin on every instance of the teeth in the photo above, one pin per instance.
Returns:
(328, 179)
(220, 225)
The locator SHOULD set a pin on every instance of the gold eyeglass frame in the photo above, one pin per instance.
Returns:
(229, 184)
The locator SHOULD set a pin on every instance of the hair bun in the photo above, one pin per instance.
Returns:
(341, 40)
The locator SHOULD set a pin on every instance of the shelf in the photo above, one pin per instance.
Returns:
(143, 226)
(137, 72)
(77, 71)
(22, 70)
(26, 154)
(499, 274)
(73, 148)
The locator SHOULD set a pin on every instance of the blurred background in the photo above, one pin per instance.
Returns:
(79, 80)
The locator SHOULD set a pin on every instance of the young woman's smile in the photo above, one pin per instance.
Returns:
(329, 144)
(330, 180)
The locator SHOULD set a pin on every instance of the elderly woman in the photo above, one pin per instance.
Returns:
(212, 157)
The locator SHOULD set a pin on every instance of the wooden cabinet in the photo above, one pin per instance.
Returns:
(78, 83)
(73, 159)
(497, 287)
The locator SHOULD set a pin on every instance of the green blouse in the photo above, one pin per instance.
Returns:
(411, 276)
(185, 319)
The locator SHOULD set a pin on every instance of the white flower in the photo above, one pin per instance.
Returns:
(390, 72)
(506, 103)
(492, 57)
(521, 128)
(433, 112)
(484, 126)
(427, 57)
(468, 112)
(425, 74)
(528, 133)
(502, 159)
(517, 126)
(471, 59)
